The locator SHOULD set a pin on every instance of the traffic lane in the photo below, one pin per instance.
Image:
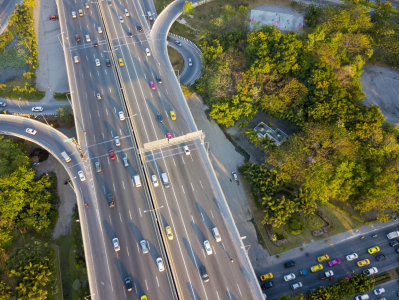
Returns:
(25, 107)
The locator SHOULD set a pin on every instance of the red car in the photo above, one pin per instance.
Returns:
(169, 135)
(112, 154)
(152, 85)
(334, 262)
(54, 17)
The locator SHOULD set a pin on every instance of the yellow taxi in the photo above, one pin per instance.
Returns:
(172, 115)
(143, 297)
(323, 258)
(121, 63)
(362, 263)
(169, 232)
(316, 268)
(266, 276)
(373, 250)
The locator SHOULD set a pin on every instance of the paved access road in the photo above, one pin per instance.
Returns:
(337, 250)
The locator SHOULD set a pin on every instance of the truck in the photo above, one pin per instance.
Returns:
(327, 274)
(393, 234)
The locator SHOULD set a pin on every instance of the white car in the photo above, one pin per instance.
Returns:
(125, 162)
(362, 297)
(160, 265)
(99, 29)
(126, 12)
(31, 131)
(98, 95)
(186, 150)
(379, 291)
(289, 277)
(144, 247)
(208, 248)
(352, 256)
(235, 176)
(37, 108)
(117, 141)
(370, 271)
(98, 62)
(81, 176)
(88, 39)
(121, 116)
(154, 179)
(3, 104)
(147, 52)
(74, 14)
(120, 19)
(115, 242)
(190, 62)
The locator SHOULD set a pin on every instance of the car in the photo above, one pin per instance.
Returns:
(112, 154)
(178, 43)
(120, 19)
(81, 176)
(380, 257)
(203, 274)
(128, 284)
(159, 116)
(235, 176)
(152, 85)
(87, 4)
(316, 268)
(120, 61)
(147, 52)
(74, 14)
(370, 271)
(95, 43)
(289, 277)
(126, 12)
(352, 256)
(374, 249)
(99, 29)
(3, 104)
(186, 150)
(267, 285)
(107, 62)
(327, 274)
(289, 264)
(115, 242)
(169, 135)
(138, 27)
(80, 11)
(76, 59)
(158, 79)
(362, 263)
(169, 233)
(160, 265)
(98, 167)
(117, 141)
(323, 258)
(88, 39)
(362, 297)
(110, 200)
(190, 62)
(98, 96)
(154, 180)
(335, 261)
(109, 2)
(266, 276)
(144, 297)
(296, 286)
(129, 33)
(31, 131)
(125, 162)
(394, 243)
(208, 247)
(379, 291)
(121, 116)
(173, 115)
(77, 37)
(53, 17)
(98, 62)
(37, 108)
(144, 246)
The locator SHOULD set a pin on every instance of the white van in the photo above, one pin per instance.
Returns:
(165, 180)
(150, 17)
(216, 234)
(136, 179)
(65, 156)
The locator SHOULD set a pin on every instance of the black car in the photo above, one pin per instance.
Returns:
(204, 274)
(394, 243)
(139, 28)
(95, 44)
(158, 78)
(128, 283)
(289, 264)
(267, 285)
(129, 33)
(380, 257)
(77, 37)
(110, 199)
(107, 62)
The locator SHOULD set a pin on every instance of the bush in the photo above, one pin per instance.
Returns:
(296, 225)
(314, 222)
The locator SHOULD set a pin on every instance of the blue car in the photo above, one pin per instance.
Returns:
(159, 116)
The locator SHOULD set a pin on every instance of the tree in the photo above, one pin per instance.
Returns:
(2, 86)
(188, 8)
(65, 114)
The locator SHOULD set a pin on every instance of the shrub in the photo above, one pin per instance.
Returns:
(314, 222)
(296, 225)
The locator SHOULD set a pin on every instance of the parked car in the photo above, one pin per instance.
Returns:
(53, 17)
(289, 264)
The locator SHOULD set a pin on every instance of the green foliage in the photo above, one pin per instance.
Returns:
(188, 8)
(296, 225)
(314, 222)
(65, 114)
(13, 57)
(60, 96)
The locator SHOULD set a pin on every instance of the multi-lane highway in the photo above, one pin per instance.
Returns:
(192, 205)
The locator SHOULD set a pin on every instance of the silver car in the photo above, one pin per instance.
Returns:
(115, 242)
(144, 246)
(98, 167)
(37, 108)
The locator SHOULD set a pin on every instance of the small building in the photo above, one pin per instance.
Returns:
(278, 136)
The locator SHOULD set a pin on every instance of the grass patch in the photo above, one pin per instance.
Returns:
(16, 95)
(60, 96)
(56, 292)
(13, 57)
(184, 31)
(175, 59)
(314, 222)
